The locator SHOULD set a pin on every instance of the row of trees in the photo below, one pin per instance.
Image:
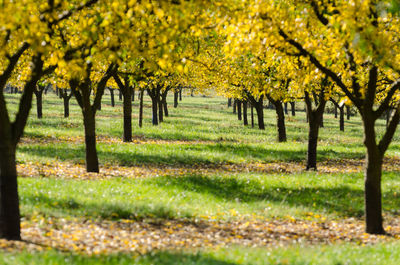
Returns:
(314, 50)
(81, 46)
(283, 51)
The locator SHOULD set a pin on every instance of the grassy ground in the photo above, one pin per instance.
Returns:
(201, 166)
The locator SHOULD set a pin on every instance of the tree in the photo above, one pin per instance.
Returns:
(27, 33)
(355, 45)
(81, 89)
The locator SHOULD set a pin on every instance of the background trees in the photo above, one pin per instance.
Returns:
(355, 45)
(249, 51)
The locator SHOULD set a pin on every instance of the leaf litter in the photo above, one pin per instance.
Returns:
(105, 236)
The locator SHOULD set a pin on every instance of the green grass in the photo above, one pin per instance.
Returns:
(213, 136)
(193, 196)
(226, 139)
(302, 254)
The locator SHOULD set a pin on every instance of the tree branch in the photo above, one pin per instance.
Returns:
(390, 131)
(324, 69)
(389, 96)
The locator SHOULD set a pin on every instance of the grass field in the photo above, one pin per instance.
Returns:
(198, 189)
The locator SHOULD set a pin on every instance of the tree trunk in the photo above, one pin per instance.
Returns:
(66, 106)
(165, 105)
(141, 109)
(245, 121)
(313, 131)
(280, 116)
(293, 108)
(239, 109)
(229, 102)
(127, 113)
(92, 161)
(321, 124)
(341, 118)
(9, 200)
(252, 115)
(335, 110)
(133, 94)
(314, 120)
(160, 110)
(260, 115)
(39, 103)
(120, 95)
(348, 112)
(112, 97)
(176, 95)
(286, 108)
(372, 182)
(180, 94)
(154, 107)
(234, 106)
(388, 112)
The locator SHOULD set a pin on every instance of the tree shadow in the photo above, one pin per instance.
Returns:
(184, 155)
(342, 200)
(105, 210)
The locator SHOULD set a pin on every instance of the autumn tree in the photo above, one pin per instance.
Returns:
(355, 44)
(28, 33)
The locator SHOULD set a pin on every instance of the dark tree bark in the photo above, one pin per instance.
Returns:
(280, 118)
(10, 134)
(321, 124)
(252, 115)
(165, 106)
(388, 112)
(286, 108)
(127, 112)
(133, 94)
(112, 96)
(39, 100)
(66, 97)
(126, 92)
(245, 121)
(154, 108)
(180, 94)
(160, 109)
(229, 102)
(92, 160)
(154, 94)
(176, 95)
(348, 112)
(341, 113)
(293, 108)
(164, 95)
(335, 110)
(120, 95)
(82, 91)
(341, 119)
(141, 109)
(234, 106)
(373, 164)
(9, 201)
(314, 116)
(258, 105)
(239, 109)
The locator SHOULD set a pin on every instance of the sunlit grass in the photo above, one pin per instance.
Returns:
(202, 132)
